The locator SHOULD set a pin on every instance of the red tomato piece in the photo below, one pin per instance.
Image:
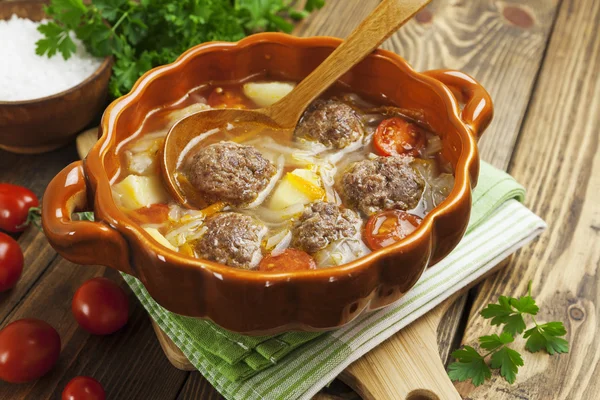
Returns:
(154, 214)
(398, 136)
(83, 388)
(288, 260)
(15, 202)
(29, 348)
(11, 262)
(100, 306)
(225, 98)
(389, 227)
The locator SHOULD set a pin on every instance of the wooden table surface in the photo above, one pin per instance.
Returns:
(540, 60)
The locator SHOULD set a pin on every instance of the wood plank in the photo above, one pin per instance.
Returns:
(35, 171)
(338, 19)
(130, 364)
(473, 36)
(557, 160)
(504, 54)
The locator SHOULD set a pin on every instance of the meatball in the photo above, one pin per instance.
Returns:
(232, 239)
(381, 184)
(321, 224)
(333, 123)
(229, 172)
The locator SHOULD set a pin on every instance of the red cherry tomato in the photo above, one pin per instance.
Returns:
(398, 136)
(15, 202)
(100, 306)
(225, 98)
(11, 262)
(83, 388)
(287, 261)
(29, 348)
(389, 227)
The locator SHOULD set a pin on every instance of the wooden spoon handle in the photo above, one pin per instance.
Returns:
(378, 26)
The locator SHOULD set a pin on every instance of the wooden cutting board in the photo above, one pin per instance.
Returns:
(406, 366)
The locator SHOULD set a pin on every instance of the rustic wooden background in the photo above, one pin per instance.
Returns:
(540, 60)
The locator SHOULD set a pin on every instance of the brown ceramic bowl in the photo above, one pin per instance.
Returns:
(44, 124)
(256, 302)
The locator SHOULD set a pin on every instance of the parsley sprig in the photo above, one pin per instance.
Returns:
(509, 313)
(146, 33)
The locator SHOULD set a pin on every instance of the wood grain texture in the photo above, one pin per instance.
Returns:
(558, 159)
(474, 37)
(129, 364)
(505, 56)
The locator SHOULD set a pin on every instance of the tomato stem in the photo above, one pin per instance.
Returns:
(34, 216)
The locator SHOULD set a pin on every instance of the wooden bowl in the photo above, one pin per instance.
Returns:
(254, 302)
(47, 123)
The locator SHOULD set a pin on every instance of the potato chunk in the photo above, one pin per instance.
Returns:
(266, 93)
(135, 192)
(301, 186)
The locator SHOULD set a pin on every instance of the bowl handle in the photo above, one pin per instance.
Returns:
(82, 242)
(478, 109)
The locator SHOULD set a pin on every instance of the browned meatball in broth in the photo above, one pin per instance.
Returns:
(321, 224)
(381, 184)
(332, 123)
(232, 239)
(229, 172)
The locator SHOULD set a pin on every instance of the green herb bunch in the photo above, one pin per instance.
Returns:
(509, 313)
(146, 33)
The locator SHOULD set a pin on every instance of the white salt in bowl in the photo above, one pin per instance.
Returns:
(47, 123)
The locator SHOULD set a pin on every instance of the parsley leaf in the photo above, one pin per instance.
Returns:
(142, 35)
(56, 39)
(312, 5)
(508, 361)
(509, 312)
(493, 342)
(470, 365)
(110, 9)
(525, 305)
(547, 336)
(68, 12)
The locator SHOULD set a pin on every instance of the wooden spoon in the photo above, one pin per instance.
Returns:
(283, 115)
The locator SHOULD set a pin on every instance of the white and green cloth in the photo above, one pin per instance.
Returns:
(297, 365)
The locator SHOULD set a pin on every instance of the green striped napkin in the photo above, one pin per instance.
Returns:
(298, 365)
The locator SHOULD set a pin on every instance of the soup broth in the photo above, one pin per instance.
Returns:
(357, 174)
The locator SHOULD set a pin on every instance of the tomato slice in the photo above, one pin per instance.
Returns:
(225, 98)
(389, 227)
(153, 214)
(398, 136)
(287, 261)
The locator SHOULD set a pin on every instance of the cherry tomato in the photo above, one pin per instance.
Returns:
(11, 262)
(83, 388)
(388, 227)
(100, 306)
(29, 348)
(287, 261)
(15, 202)
(398, 136)
(154, 214)
(225, 98)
